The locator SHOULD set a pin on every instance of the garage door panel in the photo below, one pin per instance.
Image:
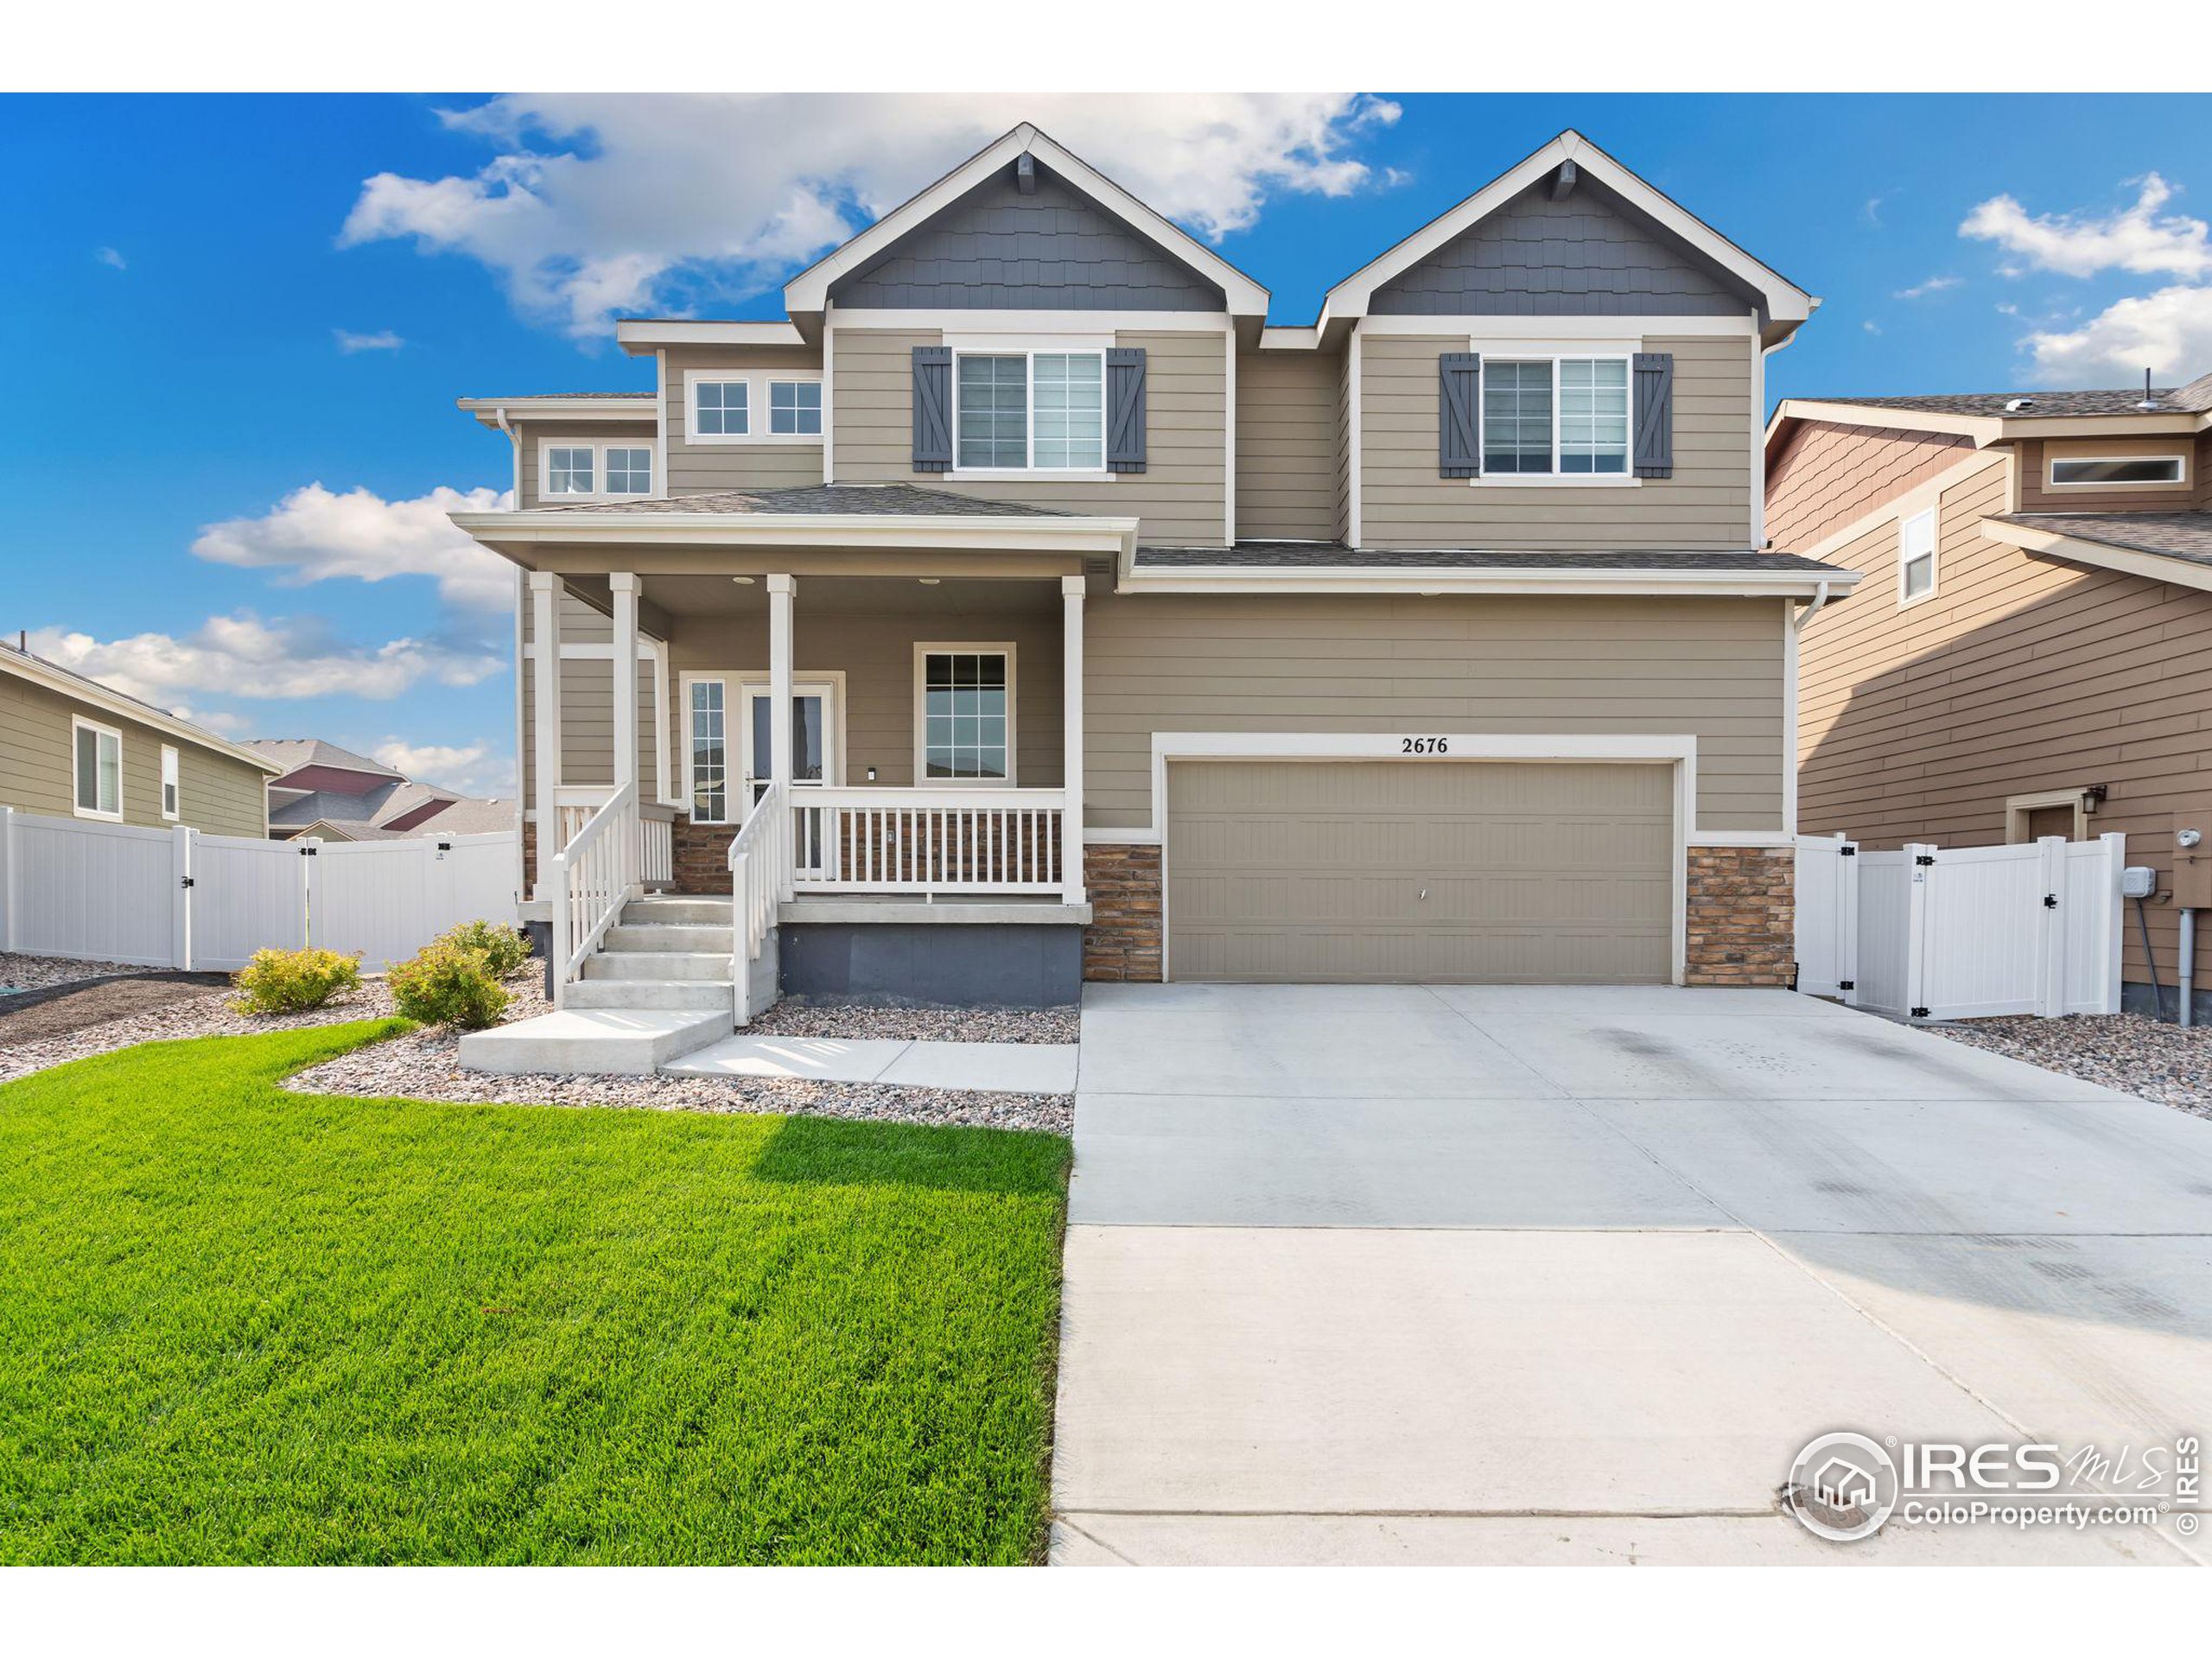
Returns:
(1463, 872)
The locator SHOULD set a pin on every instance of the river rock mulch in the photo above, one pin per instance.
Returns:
(793, 1019)
(2128, 1052)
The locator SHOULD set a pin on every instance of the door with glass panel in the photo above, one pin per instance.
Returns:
(731, 753)
(813, 762)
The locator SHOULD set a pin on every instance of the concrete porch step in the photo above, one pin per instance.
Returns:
(667, 994)
(615, 1042)
(658, 964)
(671, 910)
(624, 937)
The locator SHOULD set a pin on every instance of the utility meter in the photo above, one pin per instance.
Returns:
(2138, 881)
(2192, 876)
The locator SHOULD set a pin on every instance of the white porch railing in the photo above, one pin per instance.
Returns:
(656, 830)
(927, 840)
(590, 878)
(758, 856)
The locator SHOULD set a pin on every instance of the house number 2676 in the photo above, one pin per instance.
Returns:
(1424, 745)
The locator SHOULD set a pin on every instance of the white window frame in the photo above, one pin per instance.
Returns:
(1555, 353)
(738, 685)
(758, 385)
(79, 723)
(768, 385)
(923, 649)
(598, 447)
(2180, 481)
(1031, 350)
(172, 784)
(1934, 555)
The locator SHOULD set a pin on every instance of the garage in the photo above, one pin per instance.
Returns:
(1420, 870)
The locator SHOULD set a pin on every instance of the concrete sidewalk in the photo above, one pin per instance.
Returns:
(1007, 1068)
(1388, 1273)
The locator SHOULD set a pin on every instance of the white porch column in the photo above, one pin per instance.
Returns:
(623, 586)
(545, 762)
(1071, 590)
(780, 591)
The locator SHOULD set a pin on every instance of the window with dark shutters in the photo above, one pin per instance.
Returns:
(1654, 415)
(933, 409)
(1459, 395)
(1125, 417)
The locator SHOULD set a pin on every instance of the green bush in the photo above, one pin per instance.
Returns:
(448, 986)
(505, 949)
(288, 981)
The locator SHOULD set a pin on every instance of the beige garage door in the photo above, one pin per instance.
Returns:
(1467, 872)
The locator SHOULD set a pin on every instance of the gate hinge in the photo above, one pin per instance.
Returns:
(1847, 984)
(307, 852)
(2051, 901)
(1923, 858)
(184, 882)
(1920, 1014)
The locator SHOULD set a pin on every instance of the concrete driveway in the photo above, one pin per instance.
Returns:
(1373, 1274)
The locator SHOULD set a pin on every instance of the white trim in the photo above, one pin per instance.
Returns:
(1743, 838)
(1573, 331)
(1289, 340)
(1028, 325)
(523, 758)
(842, 531)
(2134, 562)
(829, 427)
(599, 492)
(79, 723)
(1028, 351)
(1229, 441)
(1120, 838)
(920, 714)
(688, 331)
(2180, 480)
(42, 673)
(658, 650)
(1790, 717)
(1621, 352)
(172, 784)
(1448, 579)
(660, 426)
(1627, 748)
(808, 291)
(1757, 474)
(487, 410)
(1785, 301)
(1933, 514)
(1354, 462)
(693, 379)
(1025, 475)
(2024, 805)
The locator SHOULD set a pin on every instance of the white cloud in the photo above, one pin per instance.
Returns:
(1871, 325)
(2169, 332)
(242, 655)
(596, 203)
(1933, 285)
(110, 258)
(2136, 238)
(1872, 213)
(473, 769)
(314, 535)
(383, 340)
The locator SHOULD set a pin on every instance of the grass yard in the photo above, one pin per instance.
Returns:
(242, 1325)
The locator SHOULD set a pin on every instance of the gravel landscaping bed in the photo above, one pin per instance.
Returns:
(2128, 1052)
(208, 1014)
(790, 1018)
(21, 973)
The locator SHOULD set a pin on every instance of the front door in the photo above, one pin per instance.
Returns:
(813, 736)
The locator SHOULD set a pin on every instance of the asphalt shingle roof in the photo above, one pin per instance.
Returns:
(293, 752)
(890, 500)
(2177, 535)
(2192, 398)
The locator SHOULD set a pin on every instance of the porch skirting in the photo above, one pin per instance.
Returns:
(976, 964)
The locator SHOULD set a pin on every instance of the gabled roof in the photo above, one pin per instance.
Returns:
(1990, 417)
(70, 684)
(2172, 547)
(808, 292)
(289, 754)
(1785, 303)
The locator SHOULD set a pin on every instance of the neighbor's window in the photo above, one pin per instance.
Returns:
(710, 753)
(1042, 409)
(99, 771)
(1917, 556)
(629, 471)
(568, 471)
(168, 782)
(1555, 416)
(723, 411)
(795, 407)
(2118, 469)
(967, 716)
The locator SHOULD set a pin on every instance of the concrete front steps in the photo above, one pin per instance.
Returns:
(658, 987)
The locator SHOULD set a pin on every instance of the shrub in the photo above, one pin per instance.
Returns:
(505, 949)
(288, 981)
(448, 986)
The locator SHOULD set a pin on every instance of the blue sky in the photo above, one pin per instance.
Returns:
(181, 270)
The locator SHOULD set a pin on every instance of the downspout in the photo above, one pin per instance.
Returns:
(1820, 598)
(2186, 994)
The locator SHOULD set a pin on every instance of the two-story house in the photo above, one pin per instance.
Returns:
(1024, 606)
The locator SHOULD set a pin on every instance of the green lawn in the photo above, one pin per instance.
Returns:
(242, 1325)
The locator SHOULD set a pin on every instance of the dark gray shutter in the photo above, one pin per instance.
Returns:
(1459, 391)
(933, 409)
(1125, 409)
(1654, 415)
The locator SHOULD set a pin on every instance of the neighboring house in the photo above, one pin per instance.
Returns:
(72, 747)
(333, 794)
(1436, 639)
(2028, 654)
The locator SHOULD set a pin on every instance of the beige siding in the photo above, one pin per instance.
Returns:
(1706, 506)
(1180, 494)
(693, 468)
(2021, 674)
(1209, 662)
(2036, 496)
(1825, 477)
(215, 793)
(587, 706)
(1287, 445)
(534, 434)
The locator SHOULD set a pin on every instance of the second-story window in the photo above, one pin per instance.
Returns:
(570, 470)
(795, 407)
(724, 409)
(1040, 411)
(629, 471)
(1564, 416)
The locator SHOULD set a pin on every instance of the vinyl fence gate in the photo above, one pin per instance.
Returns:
(1961, 932)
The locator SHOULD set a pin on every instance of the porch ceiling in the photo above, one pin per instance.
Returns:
(702, 596)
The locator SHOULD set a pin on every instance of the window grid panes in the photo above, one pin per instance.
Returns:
(1071, 412)
(629, 471)
(723, 409)
(100, 772)
(1516, 417)
(965, 715)
(710, 753)
(795, 407)
(1593, 414)
(568, 471)
(994, 412)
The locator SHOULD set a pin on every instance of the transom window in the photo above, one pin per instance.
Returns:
(1564, 416)
(795, 407)
(570, 471)
(723, 408)
(2117, 469)
(629, 471)
(1916, 556)
(1023, 410)
(99, 771)
(967, 713)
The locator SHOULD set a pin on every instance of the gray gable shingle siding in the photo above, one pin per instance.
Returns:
(1591, 255)
(995, 249)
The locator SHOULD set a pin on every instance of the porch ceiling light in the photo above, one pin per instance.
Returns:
(742, 581)
(929, 581)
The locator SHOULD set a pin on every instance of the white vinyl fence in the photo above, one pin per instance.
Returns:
(1961, 932)
(179, 899)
